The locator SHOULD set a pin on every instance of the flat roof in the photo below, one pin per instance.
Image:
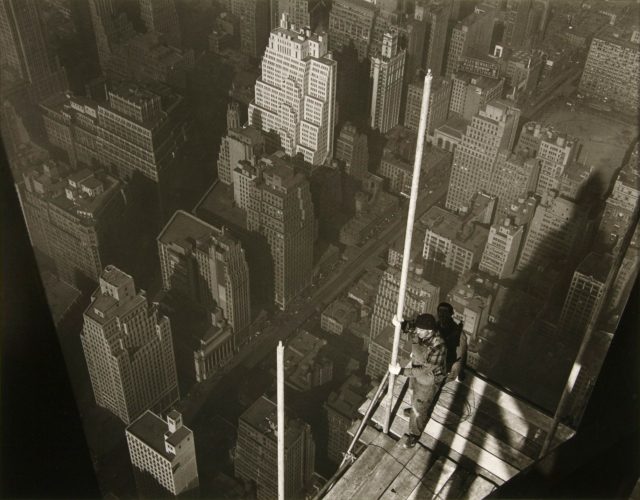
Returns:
(150, 429)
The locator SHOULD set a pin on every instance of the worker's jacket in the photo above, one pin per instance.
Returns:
(428, 359)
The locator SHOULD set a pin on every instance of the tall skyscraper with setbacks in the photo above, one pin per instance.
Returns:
(491, 130)
(295, 96)
(128, 349)
(387, 72)
(280, 208)
(207, 266)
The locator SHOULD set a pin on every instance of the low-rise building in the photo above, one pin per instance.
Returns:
(164, 450)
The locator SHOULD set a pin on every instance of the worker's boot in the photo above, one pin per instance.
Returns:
(407, 412)
(411, 441)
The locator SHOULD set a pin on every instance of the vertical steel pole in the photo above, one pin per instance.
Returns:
(280, 383)
(415, 183)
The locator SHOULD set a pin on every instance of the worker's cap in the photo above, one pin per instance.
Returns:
(426, 322)
(445, 306)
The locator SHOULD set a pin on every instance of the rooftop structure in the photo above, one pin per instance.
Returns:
(164, 449)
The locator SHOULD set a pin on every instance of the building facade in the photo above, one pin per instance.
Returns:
(492, 129)
(280, 208)
(352, 149)
(295, 95)
(387, 72)
(239, 144)
(72, 218)
(161, 16)
(128, 349)
(207, 266)
(438, 110)
(501, 252)
(164, 450)
(256, 457)
(612, 69)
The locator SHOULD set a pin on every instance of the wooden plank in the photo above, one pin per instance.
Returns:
(457, 484)
(514, 405)
(356, 475)
(401, 487)
(476, 443)
(399, 427)
(369, 434)
(433, 480)
(511, 434)
(421, 461)
(478, 489)
(379, 478)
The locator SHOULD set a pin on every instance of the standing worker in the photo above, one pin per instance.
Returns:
(456, 341)
(427, 372)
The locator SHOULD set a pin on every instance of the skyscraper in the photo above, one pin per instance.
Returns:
(513, 177)
(140, 128)
(470, 93)
(436, 17)
(72, 217)
(387, 71)
(351, 148)
(421, 296)
(25, 54)
(280, 208)
(295, 95)
(342, 409)
(161, 16)
(111, 33)
(516, 22)
(553, 232)
(612, 68)
(438, 109)
(492, 129)
(351, 22)
(128, 349)
(586, 293)
(254, 25)
(256, 451)
(470, 37)
(207, 266)
(238, 145)
(501, 251)
(164, 450)
(556, 152)
(302, 13)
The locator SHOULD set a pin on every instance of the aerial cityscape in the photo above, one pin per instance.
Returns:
(204, 179)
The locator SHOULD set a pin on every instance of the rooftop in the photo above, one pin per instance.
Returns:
(184, 226)
(262, 416)
(451, 226)
(151, 429)
(481, 82)
(596, 265)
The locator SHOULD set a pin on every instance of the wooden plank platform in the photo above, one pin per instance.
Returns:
(478, 437)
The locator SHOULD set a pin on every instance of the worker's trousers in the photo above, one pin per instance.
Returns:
(423, 399)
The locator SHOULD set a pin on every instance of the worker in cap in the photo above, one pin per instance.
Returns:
(456, 341)
(427, 372)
